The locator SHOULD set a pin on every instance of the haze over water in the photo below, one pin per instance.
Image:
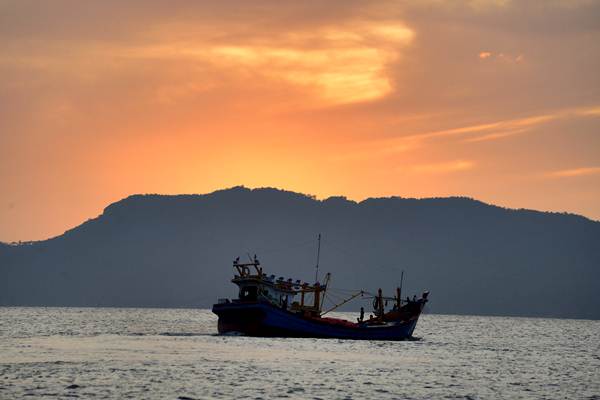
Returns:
(174, 353)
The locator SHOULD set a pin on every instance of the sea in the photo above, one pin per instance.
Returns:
(133, 353)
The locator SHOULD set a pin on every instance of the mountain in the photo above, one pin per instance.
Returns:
(176, 251)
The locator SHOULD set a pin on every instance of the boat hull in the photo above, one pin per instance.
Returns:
(264, 319)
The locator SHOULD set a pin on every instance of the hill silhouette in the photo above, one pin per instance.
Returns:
(176, 251)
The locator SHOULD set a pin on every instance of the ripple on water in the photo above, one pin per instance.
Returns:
(141, 353)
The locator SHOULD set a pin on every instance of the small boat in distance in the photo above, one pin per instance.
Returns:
(270, 307)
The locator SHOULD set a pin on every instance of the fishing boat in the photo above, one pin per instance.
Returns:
(271, 307)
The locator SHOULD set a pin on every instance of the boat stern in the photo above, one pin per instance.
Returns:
(239, 317)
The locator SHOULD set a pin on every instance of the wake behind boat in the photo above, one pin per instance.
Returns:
(285, 308)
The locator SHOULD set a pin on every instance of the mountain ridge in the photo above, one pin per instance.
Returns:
(341, 198)
(174, 250)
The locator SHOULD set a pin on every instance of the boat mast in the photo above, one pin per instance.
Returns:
(399, 294)
(321, 289)
(318, 256)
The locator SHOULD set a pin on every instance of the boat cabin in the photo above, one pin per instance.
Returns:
(255, 285)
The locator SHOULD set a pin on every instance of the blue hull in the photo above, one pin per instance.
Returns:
(264, 319)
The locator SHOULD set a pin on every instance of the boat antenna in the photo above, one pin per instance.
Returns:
(400, 290)
(318, 256)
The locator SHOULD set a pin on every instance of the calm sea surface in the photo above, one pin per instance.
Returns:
(170, 354)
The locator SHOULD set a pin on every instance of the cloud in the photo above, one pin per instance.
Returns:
(443, 167)
(339, 64)
(491, 131)
(479, 132)
(589, 111)
(343, 64)
(487, 55)
(575, 172)
(495, 136)
(501, 129)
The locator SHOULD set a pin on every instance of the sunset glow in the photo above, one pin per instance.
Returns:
(481, 99)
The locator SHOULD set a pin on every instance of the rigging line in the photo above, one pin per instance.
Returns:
(334, 294)
(335, 298)
(342, 303)
(326, 298)
(342, 296)
(349, 294)
(345, 299)
(343, 293)
(342, 289)
(333, 291)
(383, 297)
(331, 298)
(346, 290)
(328, 295)
(332, 303)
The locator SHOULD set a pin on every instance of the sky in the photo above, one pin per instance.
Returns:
(495, 100)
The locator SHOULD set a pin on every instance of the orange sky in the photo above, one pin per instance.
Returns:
(494, 100)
